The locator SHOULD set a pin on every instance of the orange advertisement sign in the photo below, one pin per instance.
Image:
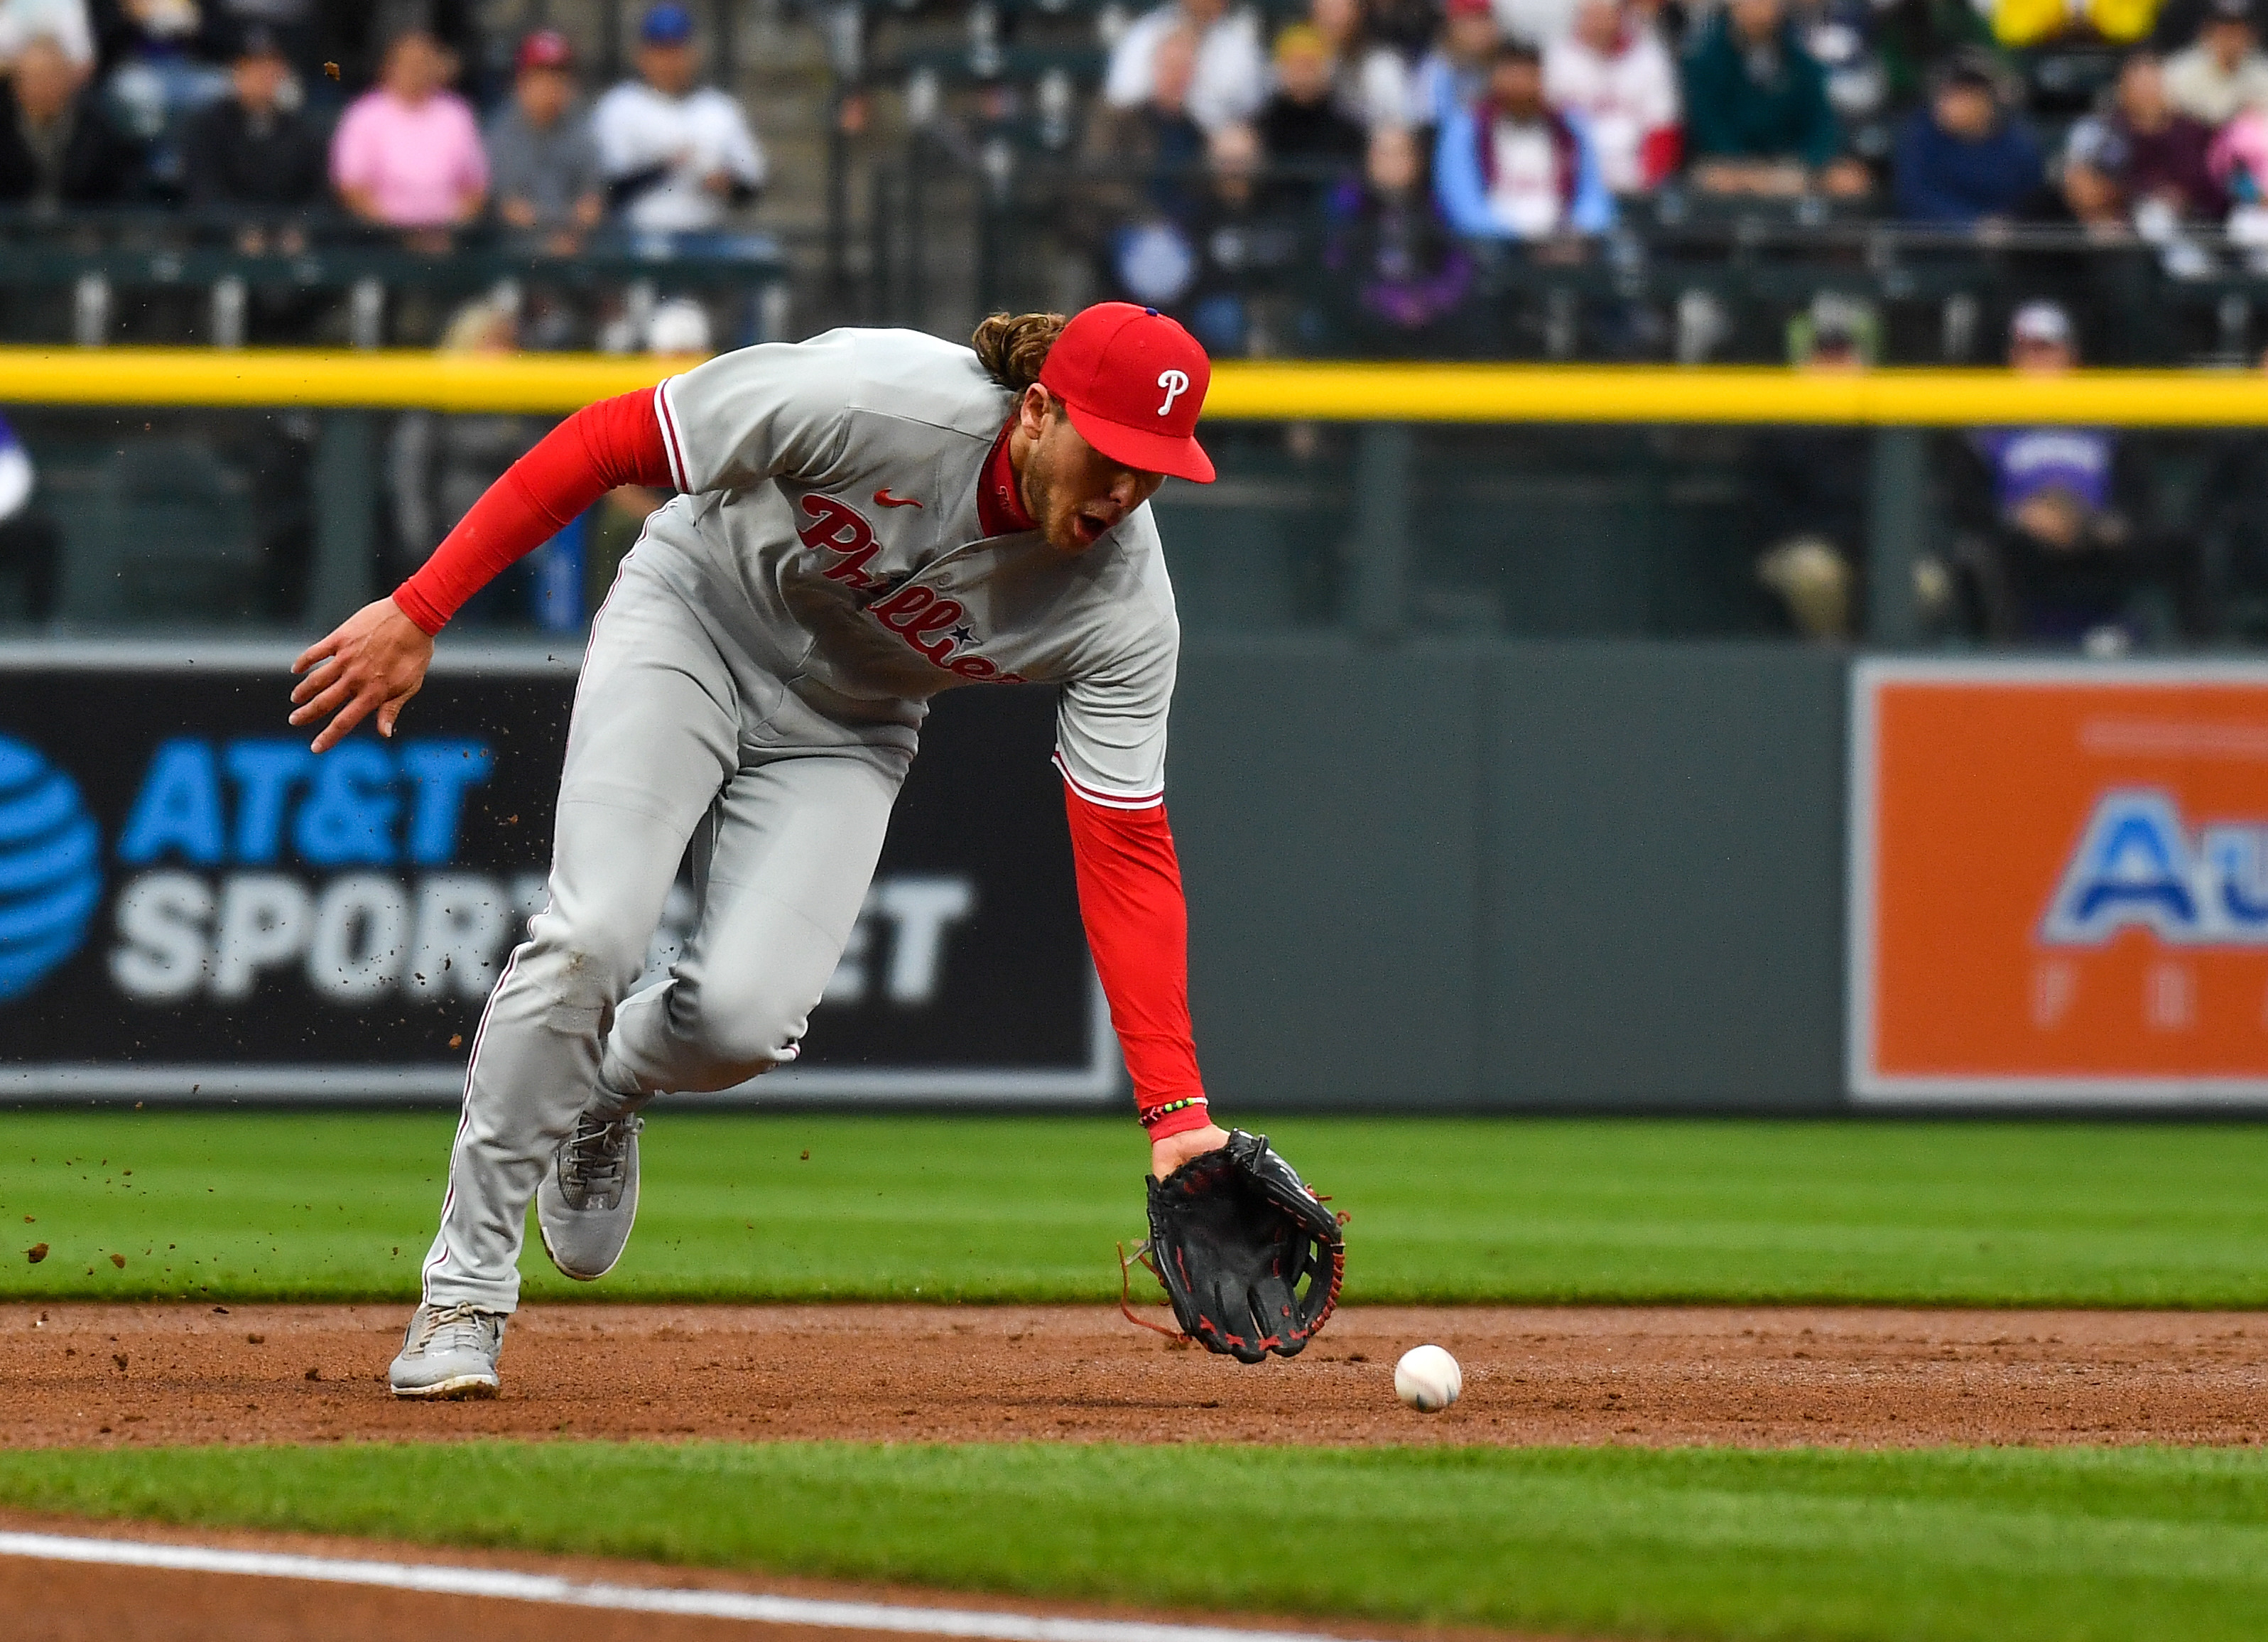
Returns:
(2059, 882)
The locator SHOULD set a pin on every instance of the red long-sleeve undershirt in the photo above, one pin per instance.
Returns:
(1130, 881)
(616, 441)
(1137, 927)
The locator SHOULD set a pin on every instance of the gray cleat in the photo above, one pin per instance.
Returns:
(588, 1200)
(449, 1351)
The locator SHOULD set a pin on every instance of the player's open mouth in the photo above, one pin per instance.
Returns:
(1088, 525)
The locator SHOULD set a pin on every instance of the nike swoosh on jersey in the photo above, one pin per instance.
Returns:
(886, 500)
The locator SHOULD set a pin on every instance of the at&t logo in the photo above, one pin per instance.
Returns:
(50, 868)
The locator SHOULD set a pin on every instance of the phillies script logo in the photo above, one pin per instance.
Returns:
(930, 625)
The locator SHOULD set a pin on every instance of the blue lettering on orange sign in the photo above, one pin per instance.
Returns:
(2137, 866)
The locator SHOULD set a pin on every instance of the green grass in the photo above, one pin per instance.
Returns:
(1951, 1545)
(339, 1206)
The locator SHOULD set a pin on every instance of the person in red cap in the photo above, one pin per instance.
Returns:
(543, 163)
(862, 520)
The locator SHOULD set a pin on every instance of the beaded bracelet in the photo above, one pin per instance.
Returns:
(1157, 1114)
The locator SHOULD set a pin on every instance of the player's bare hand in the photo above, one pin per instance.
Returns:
(372, 662)
(1174, 1151)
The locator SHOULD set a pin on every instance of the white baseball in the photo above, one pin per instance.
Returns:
(1428, 1379)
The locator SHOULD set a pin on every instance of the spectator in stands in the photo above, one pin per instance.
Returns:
(1962, 159)
(1231, 80)
(2222, 72)
(1911, 38)
(1756, 115)
(2023, 24)
(1516, 169)
(1612, 69)
(543, 162)
(1373, 82)
(160, 65)
(2238, 160)
(2051, 552)
(1839, 35)
(1454, 74)
(408, 154)
(64, 23)
(30, 544)
(1399, 278)
(677, 154)
(249, 151)
(2142, 163)
(1148, 156)
(58, 146)
(1300, 130)
(1245, 243)
(1537, 22)
(127, 28)
(1808, 486)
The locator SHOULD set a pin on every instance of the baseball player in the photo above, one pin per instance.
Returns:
(862, 520)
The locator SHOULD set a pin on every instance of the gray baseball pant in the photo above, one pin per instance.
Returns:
(664, 744)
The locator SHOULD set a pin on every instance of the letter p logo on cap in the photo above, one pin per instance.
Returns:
(1134, 382)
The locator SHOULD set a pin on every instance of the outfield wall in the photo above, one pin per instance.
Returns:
(1515, 875)
(1512, 876)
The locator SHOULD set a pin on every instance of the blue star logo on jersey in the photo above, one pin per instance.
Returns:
(50, 868)
(964, 635)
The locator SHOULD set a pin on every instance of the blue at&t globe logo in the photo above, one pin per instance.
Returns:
(50, 868)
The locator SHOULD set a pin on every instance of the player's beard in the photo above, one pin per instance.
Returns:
(1060, 472)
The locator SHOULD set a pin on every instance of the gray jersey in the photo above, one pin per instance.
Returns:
(829, 532)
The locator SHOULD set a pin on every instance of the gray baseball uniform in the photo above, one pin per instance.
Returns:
(756, 685)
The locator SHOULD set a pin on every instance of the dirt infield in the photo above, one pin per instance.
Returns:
(110, 1374)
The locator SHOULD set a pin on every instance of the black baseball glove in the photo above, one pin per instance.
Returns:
(1234, 1234)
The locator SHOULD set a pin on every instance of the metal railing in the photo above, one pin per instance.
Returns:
(1682, 278)
(97, 276)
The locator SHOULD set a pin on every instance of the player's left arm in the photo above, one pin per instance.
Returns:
(1110, 747)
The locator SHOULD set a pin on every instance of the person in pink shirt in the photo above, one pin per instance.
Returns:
(408, 154)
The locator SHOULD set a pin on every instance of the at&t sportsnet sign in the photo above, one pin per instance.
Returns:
(2059, 882)
(192, 905)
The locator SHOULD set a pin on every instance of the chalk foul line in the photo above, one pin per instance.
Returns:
(437, 1579)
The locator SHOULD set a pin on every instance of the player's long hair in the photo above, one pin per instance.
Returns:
(1012, 347)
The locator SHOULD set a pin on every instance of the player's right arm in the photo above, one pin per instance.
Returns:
(376, 659)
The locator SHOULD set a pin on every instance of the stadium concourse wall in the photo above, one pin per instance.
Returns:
(1457, 874)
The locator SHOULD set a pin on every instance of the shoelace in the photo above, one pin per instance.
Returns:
(598, 1152)
(457, 1327)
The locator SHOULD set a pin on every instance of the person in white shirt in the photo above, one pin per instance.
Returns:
(2222, 73)
(64, 21)
(1232, 73)
(1513, 168)
(675, 155)
(1613, 70)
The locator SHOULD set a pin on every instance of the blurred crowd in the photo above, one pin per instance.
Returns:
(276, 110)
(1436, 138)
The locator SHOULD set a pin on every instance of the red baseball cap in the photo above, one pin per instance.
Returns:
(545, 49)
(1134, 382)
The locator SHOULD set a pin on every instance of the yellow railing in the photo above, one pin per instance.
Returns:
(1241, 391)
